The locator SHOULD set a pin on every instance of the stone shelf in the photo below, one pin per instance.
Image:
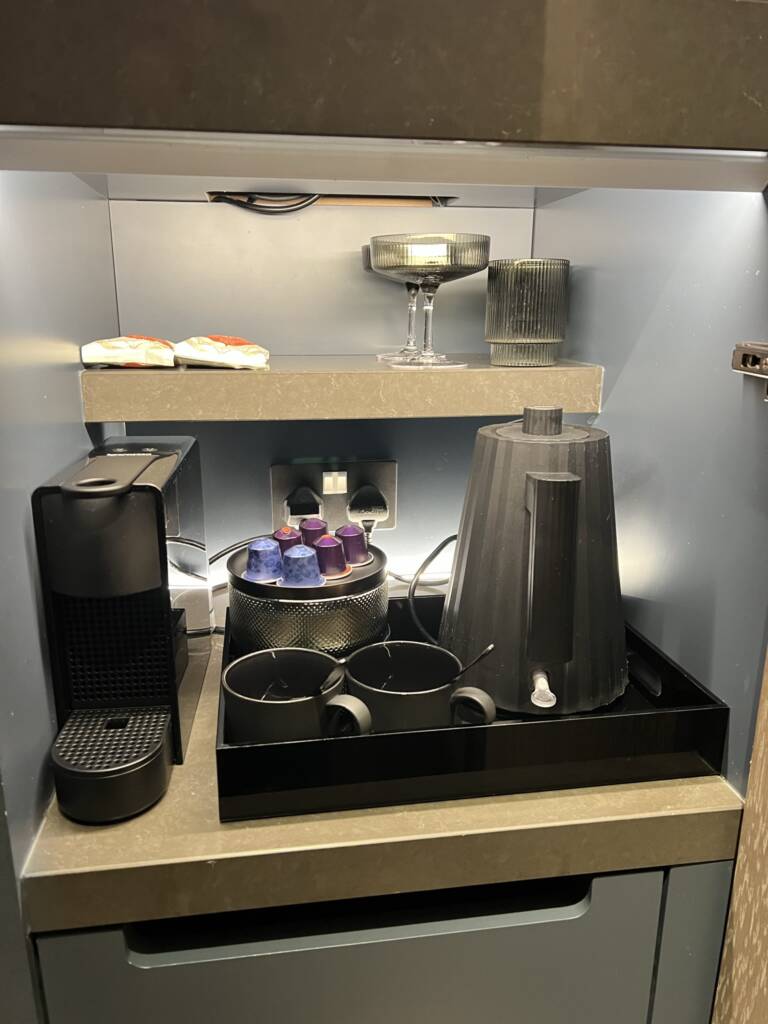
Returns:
(335, 388)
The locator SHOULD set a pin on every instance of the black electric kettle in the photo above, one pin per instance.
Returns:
(536, 568)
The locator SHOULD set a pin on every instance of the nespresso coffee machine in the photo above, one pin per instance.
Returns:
(124, 573)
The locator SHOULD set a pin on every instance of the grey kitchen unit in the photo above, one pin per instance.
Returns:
(577, 905)
(560, 951)
(631, 72)
(598, 904)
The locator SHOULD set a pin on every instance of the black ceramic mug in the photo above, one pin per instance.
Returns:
(289, 693)
(410, 685)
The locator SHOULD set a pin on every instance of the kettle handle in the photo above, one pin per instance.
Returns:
(552, 501)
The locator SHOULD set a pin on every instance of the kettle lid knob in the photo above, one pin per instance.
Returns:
(542, 420)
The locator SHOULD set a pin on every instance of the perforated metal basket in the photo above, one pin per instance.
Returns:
(337, 618)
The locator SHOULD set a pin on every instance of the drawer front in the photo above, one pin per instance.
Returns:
(586, 960)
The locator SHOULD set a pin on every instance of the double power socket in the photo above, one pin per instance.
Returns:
(338, 490)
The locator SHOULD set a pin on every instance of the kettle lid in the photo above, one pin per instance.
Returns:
(542, 424)
(543, 420)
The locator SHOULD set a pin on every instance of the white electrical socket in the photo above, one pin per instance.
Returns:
(334, 482)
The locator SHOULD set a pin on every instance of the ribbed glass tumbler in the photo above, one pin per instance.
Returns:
(527, 311)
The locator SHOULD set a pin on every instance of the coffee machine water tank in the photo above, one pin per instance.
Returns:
(536, 568)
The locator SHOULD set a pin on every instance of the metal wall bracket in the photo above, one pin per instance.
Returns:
(751, 359)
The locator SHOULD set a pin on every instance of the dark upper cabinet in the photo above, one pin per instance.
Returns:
(643, 72)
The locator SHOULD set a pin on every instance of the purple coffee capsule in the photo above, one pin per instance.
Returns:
(330, 555)
(286, 538)
(264, 562)
(312, 530)
(355, 543)
(300, 568)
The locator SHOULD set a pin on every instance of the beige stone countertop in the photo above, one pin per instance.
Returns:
(178, 859)
(334, 388)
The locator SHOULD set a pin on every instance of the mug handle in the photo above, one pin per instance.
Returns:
(472, 706)
(346, 715)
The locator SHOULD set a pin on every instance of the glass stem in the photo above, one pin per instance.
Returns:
(429, 304)
(413, 299)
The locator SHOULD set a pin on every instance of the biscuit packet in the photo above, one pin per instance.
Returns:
(129, 350)
(221, 350)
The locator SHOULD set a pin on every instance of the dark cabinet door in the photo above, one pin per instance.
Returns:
(585, 959)
(644, 72)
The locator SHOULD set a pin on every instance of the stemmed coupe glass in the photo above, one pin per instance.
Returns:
(409, 349)
(428, 261)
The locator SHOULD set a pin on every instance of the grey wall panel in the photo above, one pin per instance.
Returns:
(296, 284)
(433, 465)
(16, 984)
(56, 290)
(293, 283)
(695, 908)
(664, 284)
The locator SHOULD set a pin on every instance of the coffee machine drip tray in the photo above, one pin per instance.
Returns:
(665, 726)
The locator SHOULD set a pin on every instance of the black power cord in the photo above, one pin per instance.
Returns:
(415, 582)
(232, 547)
(186, 542)
(260, 202)
(409, 579)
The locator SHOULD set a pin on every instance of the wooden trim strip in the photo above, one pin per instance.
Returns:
(742, 994)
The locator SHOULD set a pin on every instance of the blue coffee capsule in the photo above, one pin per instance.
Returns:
(264, 562)
(301, 568)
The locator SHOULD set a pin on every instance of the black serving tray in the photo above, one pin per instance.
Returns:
(678, 734)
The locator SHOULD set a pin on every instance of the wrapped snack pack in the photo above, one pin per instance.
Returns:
(221, 350)
(129, 350)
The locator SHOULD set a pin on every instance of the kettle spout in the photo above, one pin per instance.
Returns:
(542, 696)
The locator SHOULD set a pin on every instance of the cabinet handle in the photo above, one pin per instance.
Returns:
(148, 947)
